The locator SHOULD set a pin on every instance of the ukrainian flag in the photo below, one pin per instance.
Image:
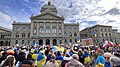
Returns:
(86, 58)
(78, 39)
(100, 61)
(41, 60)
(95, 34)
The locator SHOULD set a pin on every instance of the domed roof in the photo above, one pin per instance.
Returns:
(49, 7)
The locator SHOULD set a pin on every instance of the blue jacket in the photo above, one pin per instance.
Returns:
(59, 58)
(107, 64)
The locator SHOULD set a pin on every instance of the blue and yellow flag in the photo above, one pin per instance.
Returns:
(78, 39)
(41, 60)
(95, 34)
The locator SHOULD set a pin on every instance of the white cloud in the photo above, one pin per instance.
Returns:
(5, 17)
(5, 20)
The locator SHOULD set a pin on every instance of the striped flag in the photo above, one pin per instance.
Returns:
(95, 34)
(78, 39)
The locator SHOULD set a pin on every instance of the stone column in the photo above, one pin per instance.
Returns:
(57, 29)
(58, 41)
(63, 40)
(44, 28)
(37, 28)
(44, 41)
(32, 28)
(51, 42)
(62, 28)
(51, 28)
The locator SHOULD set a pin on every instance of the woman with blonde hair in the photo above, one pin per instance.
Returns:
(52, 62)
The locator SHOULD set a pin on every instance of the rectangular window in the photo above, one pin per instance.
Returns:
(22, 41)
(16, 42)
(109, 30)
(105, 30)
(28, 42)
(101, 30)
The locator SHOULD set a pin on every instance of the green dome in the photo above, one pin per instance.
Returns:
(49, 7)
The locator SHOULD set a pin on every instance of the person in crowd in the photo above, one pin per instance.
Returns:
(66, 59)
(64, 52)
(3, 57)
(28, 62)
(52, 62)
(21, 57)
(49, 55)
(74, 62)
(86, 58)
(9, 61)
(107, 58)
(93, 57)
(71, 52)
(115, 60)
(47, 50)
(80, 54)
(100, 61)
(59, 58)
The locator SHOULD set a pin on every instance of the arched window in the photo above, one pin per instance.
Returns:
(16, 42)
(41, 29)
(65, 33)
(75, 34)
(102, 35)
(17, 34)
(35, 30)
(106, 34)
(28, 42)
(70, 34)
(22, 41)
(29, 34)
(109, 35)
(23, 34)
(70, 40)
(75, 40)
(17, 28)
(60, 41)
(60, 30)
(47, 29)
(24, 28)
(54, 30)
(29, 29)
(65, 41)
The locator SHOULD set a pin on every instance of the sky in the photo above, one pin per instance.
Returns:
(86, 12)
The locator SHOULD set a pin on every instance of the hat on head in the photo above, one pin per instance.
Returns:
(75, 56)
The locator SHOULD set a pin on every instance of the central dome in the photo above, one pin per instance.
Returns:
(48, 8)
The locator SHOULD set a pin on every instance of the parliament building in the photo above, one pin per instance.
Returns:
(46, 28)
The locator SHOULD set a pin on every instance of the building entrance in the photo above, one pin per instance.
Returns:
(54, 42)
(47, 42)
(40, 42)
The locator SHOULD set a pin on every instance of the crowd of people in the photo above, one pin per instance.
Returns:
(56, 56)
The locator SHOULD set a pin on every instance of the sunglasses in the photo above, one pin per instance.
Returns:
(107, 58)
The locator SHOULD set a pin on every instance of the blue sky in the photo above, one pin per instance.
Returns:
(85, 12)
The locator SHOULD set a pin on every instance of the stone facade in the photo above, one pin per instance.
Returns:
(102, 33)
(5, 36)
(46, 28)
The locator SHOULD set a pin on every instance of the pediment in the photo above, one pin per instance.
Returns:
(47, 17)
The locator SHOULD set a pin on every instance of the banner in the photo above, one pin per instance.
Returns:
(87, 42)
